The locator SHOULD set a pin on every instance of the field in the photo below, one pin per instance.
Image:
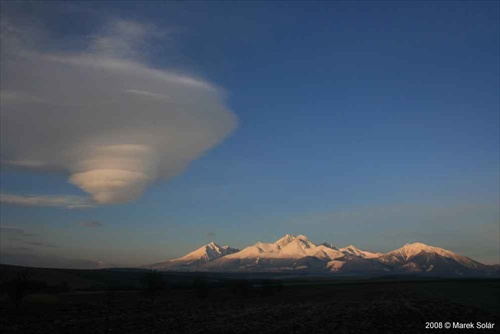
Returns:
(219, 304)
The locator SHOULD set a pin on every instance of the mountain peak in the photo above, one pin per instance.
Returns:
(288, 238)
(353, 250)
(417, 257)
(285, 240)
(420, 247)
(329, 245)
(212, 244)
(417, 244)
(410, 250)
(206, 253)
(299, 253)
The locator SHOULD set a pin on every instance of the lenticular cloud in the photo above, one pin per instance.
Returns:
(115, 125)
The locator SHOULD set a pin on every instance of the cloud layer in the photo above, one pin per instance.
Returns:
(103, 116)
(65, 201)
(25, 256)
(91, 223)
(15, 231)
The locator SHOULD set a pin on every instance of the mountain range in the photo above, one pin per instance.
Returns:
(298, 254)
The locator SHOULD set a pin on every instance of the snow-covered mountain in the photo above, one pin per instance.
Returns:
(197, 258)
(419, 257)
(353, 250)
(299, 254)
(282, 255)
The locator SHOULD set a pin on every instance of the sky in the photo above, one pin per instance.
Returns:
(136, 132)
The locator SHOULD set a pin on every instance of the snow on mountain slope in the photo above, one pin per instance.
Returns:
(335, 265)
(207, 253)
(260, 249)
(284, 240)
(282, 254)
(353, 250)
(409, 251)
(298, 253)
(288, 247)
(419, 257)
(326, 244)
(198, 257)
(297, 248)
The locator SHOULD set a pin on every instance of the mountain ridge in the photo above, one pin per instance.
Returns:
(292, 253)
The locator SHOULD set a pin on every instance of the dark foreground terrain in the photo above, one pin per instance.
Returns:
(199, 304)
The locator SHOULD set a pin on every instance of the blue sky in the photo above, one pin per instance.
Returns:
(366, 123)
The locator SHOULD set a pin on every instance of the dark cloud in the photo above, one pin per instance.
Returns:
(20, 256)
(40, 244)
(7, 250)
(12, 230)
(91, 223)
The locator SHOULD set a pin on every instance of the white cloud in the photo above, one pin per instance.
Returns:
(104, 116)
(122, 38)
(64, 201)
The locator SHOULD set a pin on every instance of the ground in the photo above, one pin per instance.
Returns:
(311, 307)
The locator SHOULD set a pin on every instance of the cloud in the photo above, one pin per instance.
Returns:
(15, 250)
(22, 256)
(15, 231)
(102, 115)
(40, 244)
(91, 223)
(125, 39)
(210, 234)
(11, 229)
(18, 233)
(64, 201)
